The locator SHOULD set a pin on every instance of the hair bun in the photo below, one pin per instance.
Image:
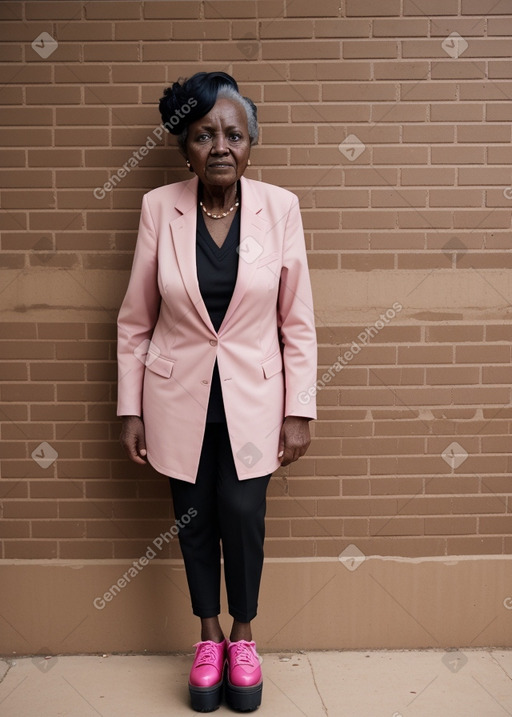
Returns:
(187, 100)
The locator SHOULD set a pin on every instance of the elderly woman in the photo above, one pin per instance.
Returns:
(216, 352)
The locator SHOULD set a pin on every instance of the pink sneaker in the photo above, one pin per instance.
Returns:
(206, 675)
(244, 683)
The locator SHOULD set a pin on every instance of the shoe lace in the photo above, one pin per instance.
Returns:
(243, 654)
(207, 654)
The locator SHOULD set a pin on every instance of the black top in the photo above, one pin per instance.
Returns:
(217, 269)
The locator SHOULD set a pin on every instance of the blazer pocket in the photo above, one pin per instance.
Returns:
(274, 256)
(272, 365)
(159, 364)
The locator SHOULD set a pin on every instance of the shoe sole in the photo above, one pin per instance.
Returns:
(243, 699)
(205, 699)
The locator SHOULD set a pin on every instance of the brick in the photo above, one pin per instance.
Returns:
(458, 155)
(452, 375)
(396, 376)
(428, 90)
(20, 116)
(55, 220)
(454, 334)
(58, 529)
(474, 546)
(484, 90)
(467, 27)
(53, 11)
(371, 8)
(400, 27)
(398, 198)
(30, 549)
(71, 73)
(15, 371)
(27, 431)
(53, 95)
(32, 509)
(111, 52)
(330, 113)
(329, 71)
(11, 11)
(11, 95)
(12, 158)
(172, 10)
(25, 350)
(396, 526)
(22, 32)
(429, 134)
(12, 261)
(27, 392)
(59, 157)
(455, 70)
(18, 199)
(346, 91)
(485, 7)
(187, 51)
(358, 49)
(90, 136)
(499, 26)
(450, 526)
(497, 374)
(194, 30)
(499, 69)
(399, 112)
(400, 70)
(80, 549)
(14, 529)
(493, 219)
(44, 371)
(314, 49)
(430, 7)
(26, 178)
(288, 28)
(230, 9)
(428, 176)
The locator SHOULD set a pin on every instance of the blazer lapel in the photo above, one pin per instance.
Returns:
(183, 230)
(252, 235)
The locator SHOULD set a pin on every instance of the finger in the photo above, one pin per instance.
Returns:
(280, 450)
(142, 446)
(130, 445)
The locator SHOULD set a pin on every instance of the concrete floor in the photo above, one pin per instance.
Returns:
(398, 683)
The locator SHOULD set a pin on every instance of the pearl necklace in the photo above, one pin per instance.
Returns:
(219, 216)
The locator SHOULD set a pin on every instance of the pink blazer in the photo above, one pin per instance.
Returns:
(265, 348)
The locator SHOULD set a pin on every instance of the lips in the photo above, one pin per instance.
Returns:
(220, 165)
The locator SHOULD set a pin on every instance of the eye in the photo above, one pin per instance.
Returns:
(203, 137)
(235, 136)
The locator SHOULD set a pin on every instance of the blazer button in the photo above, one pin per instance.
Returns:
(204, 381)
(213, 342)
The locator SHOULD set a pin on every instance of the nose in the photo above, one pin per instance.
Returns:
(219, 145)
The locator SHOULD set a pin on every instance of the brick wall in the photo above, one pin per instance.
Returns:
(391, 120)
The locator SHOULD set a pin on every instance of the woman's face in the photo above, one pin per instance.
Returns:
(218, 145)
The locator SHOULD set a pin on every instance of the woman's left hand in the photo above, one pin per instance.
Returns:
(294, 439)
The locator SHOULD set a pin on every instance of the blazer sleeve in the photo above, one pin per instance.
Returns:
(137, 317)
(296, 320)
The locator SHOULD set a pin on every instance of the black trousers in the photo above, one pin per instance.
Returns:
(225, 510)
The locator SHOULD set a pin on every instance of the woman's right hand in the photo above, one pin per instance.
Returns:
(133, 440)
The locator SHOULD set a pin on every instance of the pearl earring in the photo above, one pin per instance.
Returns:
(248, 162)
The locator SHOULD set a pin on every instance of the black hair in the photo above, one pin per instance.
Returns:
(187, 100)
